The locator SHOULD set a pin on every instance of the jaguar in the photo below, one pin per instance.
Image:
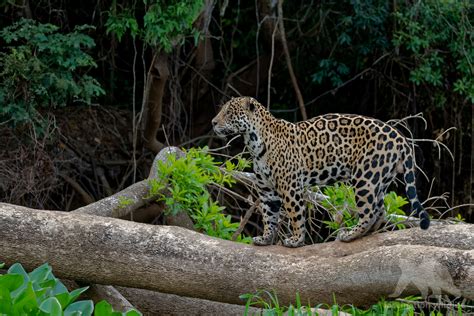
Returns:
(290, 157)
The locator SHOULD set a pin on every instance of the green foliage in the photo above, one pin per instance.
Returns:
(269, 302)
(165, 24)
(38, 293)
(393, 206)
(459, 218)
(431, 39)
(388, 308)
(437, 33)
(105, 309)
(41, 293)
(329, 68)
(169, 21)
(342, 206)
(186, 180)
(264, 299)
(357, 30)
(120, 23)
(124, 201)
(40, 68)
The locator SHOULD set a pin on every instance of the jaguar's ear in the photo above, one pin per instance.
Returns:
(251, 106)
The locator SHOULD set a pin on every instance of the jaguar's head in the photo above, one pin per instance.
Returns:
(237, 116)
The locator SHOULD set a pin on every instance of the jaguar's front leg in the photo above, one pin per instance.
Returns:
(294, 205)
(270, 204)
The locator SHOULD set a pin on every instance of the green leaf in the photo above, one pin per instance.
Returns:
(25, 301)
(5, 301)
(103, 309)
(85, 308)
(18, 268)
(51, 306)
(63, 299)
(11, 282)
(75, 293)
(40, 274)
(59, 288)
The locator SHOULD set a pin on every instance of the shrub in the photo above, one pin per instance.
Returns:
(438, 37)
(186, 180)
(41, 293)
(41, 68)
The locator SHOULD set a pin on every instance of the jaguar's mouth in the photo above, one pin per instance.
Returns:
(223, 131)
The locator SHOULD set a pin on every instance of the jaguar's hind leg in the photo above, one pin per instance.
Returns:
(379, 212)
(380, 207)
(270, 204)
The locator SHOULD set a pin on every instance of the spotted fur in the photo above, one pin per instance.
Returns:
(288, 157)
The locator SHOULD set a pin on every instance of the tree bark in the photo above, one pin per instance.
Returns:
(179, 261)
(157, 78)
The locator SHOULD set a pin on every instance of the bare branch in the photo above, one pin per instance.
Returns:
(294, 81)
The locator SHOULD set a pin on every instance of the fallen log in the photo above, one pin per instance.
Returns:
(154, 303)
(97, 293)
(179, 261)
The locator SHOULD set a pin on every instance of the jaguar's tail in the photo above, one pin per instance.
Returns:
(409, 177)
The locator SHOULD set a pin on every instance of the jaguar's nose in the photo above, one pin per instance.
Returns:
(214, 122)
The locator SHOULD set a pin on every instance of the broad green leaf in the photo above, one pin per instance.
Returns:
(75, 294)
(25, 301)
(11, 282)
(63, 299)
(103, 309)
(5, 301)
(51, 306)
(51, 283)
(18, 268)
(40, 293)
(40, 274)
(84, 307)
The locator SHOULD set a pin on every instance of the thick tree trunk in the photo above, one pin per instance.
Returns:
(179, 261)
